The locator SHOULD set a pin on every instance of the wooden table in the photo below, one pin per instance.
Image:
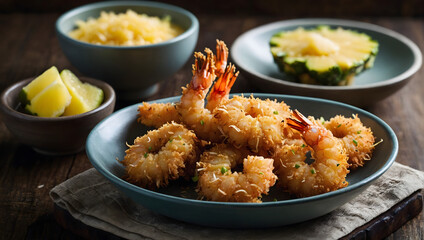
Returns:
(29, 46)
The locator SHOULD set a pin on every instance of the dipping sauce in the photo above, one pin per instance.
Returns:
(125, 29)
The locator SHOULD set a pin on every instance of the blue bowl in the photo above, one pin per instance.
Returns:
(107, 141)
(133, 71)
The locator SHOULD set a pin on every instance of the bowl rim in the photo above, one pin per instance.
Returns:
(330, 21)
(76, 11)
(17, 86)
(133, 188)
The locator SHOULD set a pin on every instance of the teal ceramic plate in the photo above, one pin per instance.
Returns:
(107, 141)
(397, 60)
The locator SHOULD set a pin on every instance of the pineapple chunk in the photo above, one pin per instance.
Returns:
(46, 95)
(51, 101)
(38, 84)
(85, 97)
(320, 64)
(52, 95)
(319, 45)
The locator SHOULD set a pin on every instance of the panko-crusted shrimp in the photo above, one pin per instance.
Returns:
(218, 183)
(157, 114)
(357, 139)
(253, 123)
(328, 170)
(161, 155)
(255, 107)
(192, 108)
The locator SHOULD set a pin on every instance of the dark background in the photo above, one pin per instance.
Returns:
(283, 8)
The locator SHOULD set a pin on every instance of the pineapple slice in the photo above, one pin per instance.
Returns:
(85, 97)
(51, 101)
(319, 45)
(52, 95)
(38, 84)
(323, 55)
(46, 95)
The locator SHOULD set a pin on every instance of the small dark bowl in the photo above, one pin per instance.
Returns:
(58, 135)
(133, 71)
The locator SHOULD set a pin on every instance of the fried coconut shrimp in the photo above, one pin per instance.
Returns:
(253, 123)
(157, 114)
(161, 155)
(192, 108)
(218, 183)
(357, 139)
(328, 170)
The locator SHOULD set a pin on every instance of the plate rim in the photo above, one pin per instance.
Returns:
(332, 21)
(122, 183)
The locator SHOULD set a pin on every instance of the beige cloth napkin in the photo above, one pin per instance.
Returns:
(92, 199)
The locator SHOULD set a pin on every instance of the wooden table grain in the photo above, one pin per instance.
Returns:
(28, 46)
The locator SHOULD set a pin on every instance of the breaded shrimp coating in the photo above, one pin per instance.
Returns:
(157, 114)
(328, 170)
(217, 182)
(161, 155)
(357, 139)
(253, 123)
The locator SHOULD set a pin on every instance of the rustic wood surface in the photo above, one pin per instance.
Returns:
(29, 46)
(388, 222)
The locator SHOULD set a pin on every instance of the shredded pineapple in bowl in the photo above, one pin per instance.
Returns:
(133, 45)
(125, 29)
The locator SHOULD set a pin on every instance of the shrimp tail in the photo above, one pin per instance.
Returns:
(301, 123)
(203, 70)
(221, 57)
(226, 75)
(225, 82)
